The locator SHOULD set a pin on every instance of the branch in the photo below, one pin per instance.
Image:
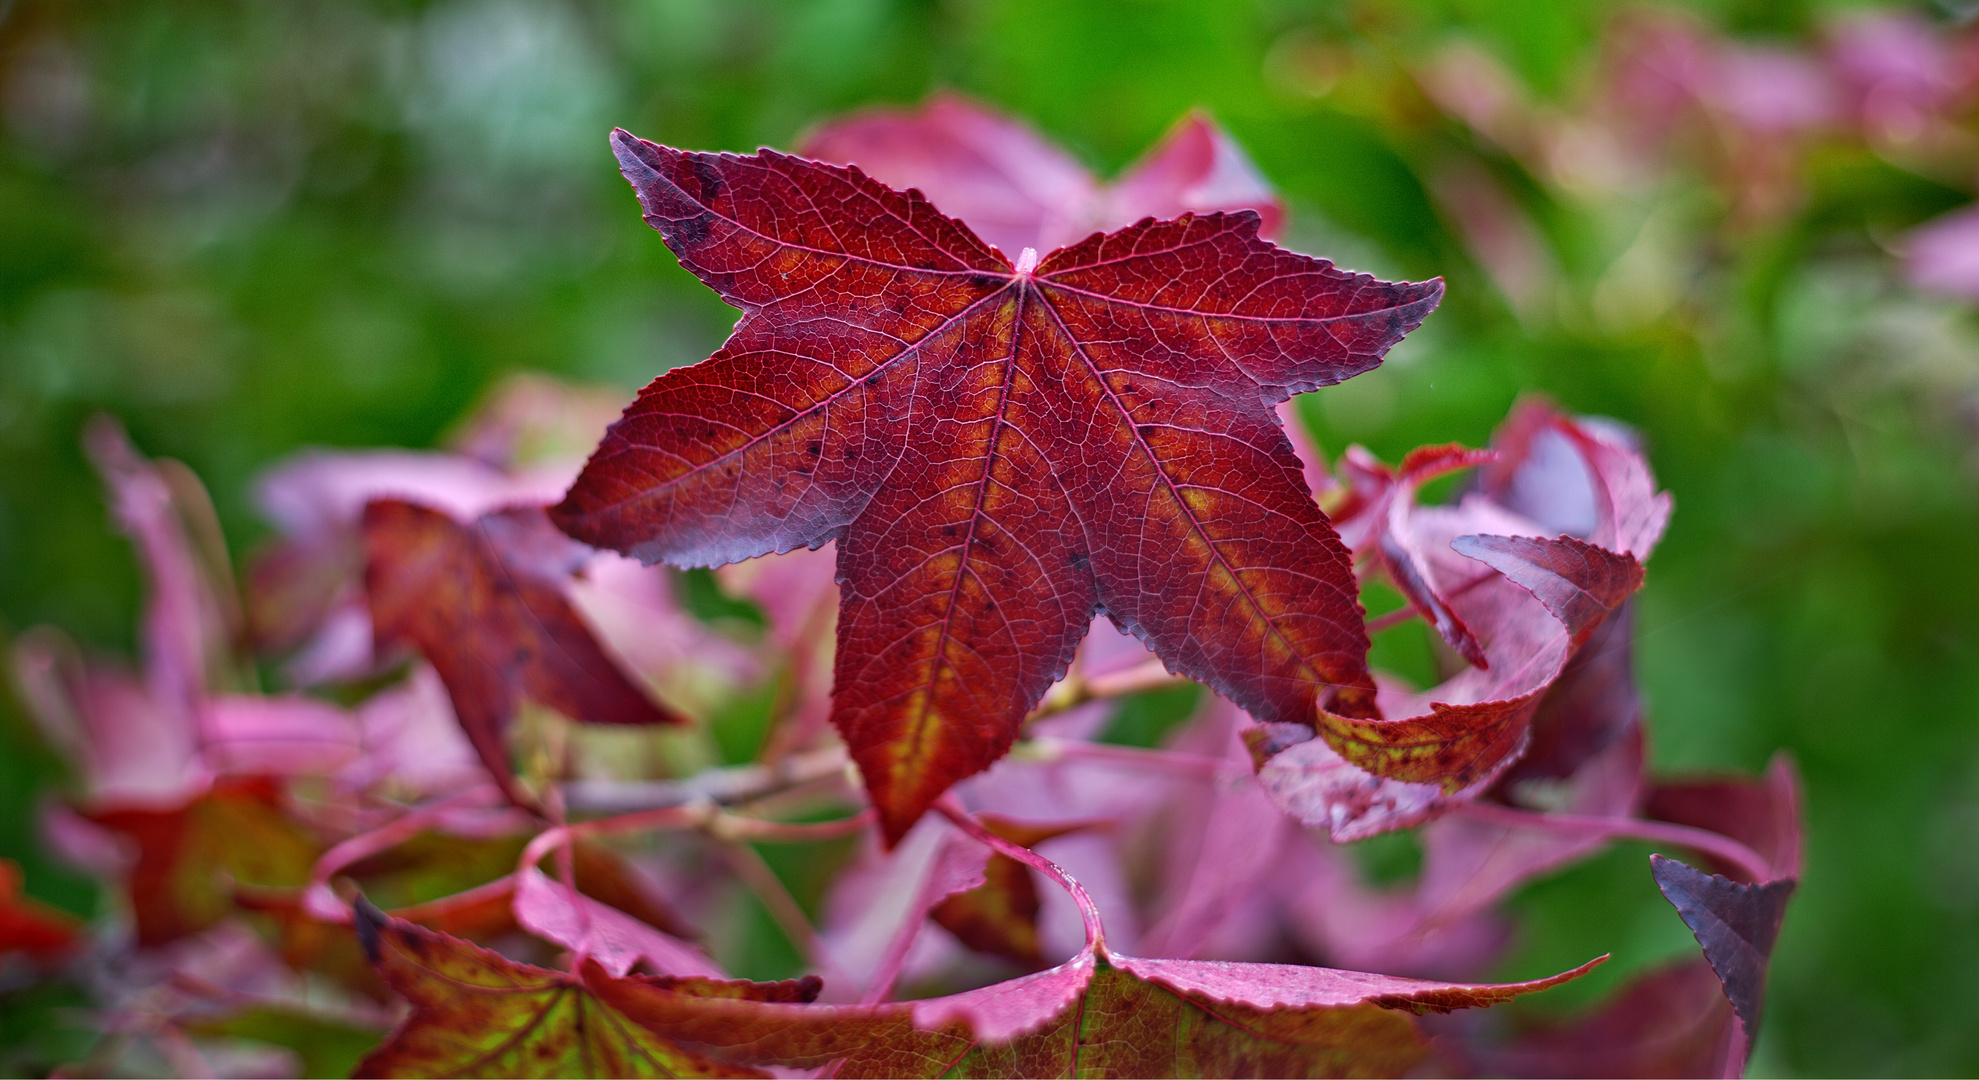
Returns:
(721, 787)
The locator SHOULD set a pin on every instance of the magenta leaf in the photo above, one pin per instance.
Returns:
(592, 928)
(1017, 191)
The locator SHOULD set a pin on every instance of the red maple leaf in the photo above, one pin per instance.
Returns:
(999, 450)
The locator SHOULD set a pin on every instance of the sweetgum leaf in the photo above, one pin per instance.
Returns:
(1735, 923)
(1459, 744)
(477, 1013)
(1671, 1022)
(1017, 191)
(1763, 814)
(618, 941)
(1403, 560)
(1098, 1014)
(192, 857)
(1582, 478)
(485, 604)
(999, 453)
(1589, 708)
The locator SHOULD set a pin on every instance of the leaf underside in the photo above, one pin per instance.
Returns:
(998, 454)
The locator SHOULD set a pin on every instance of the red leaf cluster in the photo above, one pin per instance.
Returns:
(1000, 451)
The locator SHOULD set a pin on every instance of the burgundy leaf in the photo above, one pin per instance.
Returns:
(1579, 476)
(1458, 744)
(485, 604)
(1581, 584)
(1735, 923)
(1762, 814)
(1593, 704)
(1405, 562)
(1000, 916)
(1673, 1022)
(998, 452)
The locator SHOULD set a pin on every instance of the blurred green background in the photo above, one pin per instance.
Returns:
(246, 227)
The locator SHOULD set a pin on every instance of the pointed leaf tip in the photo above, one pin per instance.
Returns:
(1736, 925)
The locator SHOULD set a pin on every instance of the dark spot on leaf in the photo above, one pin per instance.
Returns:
(691, 232)
(710, 178)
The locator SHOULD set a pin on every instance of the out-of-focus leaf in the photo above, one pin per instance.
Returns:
(190, 857)
(29, 926)
(948, 418)
(477, 1013)
(614, 939)
(1017, 191)
(1762, 814)
(324, 1045)
(1672, 1022)
(485, 604)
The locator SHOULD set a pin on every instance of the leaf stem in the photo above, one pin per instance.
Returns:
(1711, 843)
(318, 900)
(725, 787)
(950, 808)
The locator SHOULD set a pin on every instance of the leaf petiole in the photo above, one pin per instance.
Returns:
(1724, 847)
(952, 809)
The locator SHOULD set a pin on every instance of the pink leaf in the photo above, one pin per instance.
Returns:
(286, 735)
(1017, 191)
(589, 927)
